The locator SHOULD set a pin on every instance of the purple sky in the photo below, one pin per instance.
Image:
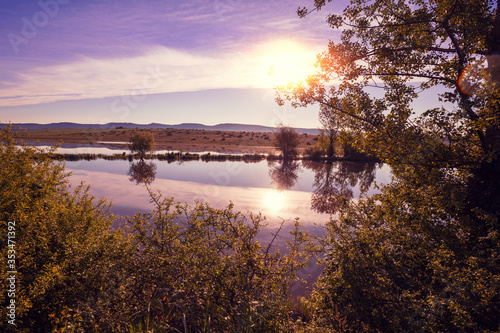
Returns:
(166, 61)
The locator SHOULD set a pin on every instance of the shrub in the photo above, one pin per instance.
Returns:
(141, 143)
(179, 267)
(204, 268)
(63, 244)
(286, 139)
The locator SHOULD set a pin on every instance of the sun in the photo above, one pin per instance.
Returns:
(287, 62)
(274, 200)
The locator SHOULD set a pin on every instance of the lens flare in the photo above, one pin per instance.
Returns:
(474, 77)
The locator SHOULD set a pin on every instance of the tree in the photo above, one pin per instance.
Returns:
(392, 45)
(330, 130)
(423, 254)
(142, 143)
(286, 139)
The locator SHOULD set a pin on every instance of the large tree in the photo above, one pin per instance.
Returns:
(403, 49)
(423, 254)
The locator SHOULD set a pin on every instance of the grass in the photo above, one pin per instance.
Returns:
(230, 146)
(169, 139)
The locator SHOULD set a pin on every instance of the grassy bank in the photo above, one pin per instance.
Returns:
(207, 157)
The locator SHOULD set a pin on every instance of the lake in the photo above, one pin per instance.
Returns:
(279, 191)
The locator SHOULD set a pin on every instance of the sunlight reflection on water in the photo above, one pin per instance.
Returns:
(252, 187)
(280, 192)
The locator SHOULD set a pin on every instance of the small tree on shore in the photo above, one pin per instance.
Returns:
(330, 128)
(286, 139)
(141, 143)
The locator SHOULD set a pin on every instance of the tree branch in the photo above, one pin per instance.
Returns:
(317, 100)
(413, 75)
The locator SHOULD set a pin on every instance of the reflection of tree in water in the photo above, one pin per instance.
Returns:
(142, 172)
(333, 183)
(284, 175)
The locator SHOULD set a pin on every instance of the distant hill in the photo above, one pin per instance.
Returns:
(193, 126)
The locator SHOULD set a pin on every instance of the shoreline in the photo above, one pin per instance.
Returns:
(183, 145)
(206, 157)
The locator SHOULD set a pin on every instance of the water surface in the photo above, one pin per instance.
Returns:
(279, 191)
(284, 189)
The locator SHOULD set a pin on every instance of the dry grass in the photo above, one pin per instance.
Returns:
(166, 139)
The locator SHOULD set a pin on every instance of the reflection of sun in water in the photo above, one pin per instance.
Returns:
(287, 62)
(274, 200)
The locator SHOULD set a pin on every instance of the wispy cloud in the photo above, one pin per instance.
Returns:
(110, 48)
(159, 70)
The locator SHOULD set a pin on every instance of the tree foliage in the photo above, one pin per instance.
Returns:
(403, 49)
(412, 258)
(63, 245)
(423, 254)
(142, 143)
(286, 139)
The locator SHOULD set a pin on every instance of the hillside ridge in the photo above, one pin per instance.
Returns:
(193, 126)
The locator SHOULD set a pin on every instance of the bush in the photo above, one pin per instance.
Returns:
(63, 244)
(314, 153)
(142, 143)
(179, 267)
(203, 268)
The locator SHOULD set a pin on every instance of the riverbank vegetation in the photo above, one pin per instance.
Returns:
(179, 268)
(208, 157)
(188, 140)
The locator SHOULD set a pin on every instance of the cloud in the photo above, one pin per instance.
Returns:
(159, 70)
(114, 48)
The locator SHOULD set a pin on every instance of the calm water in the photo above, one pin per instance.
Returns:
(279, 191)
(105, 148)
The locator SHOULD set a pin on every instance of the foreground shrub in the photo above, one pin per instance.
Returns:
(63, 247)
(179, 268)
(202, 269)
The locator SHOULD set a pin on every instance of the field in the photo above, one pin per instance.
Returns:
(168, 139)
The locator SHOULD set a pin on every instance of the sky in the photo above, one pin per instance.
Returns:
(162, 61)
